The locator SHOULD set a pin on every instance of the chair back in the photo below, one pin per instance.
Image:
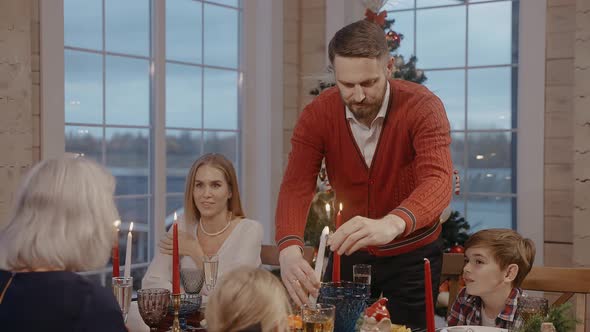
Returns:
(568, 282)
(269, 254)
(452, 269)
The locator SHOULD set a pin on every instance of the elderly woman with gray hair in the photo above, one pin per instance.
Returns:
(62, 223)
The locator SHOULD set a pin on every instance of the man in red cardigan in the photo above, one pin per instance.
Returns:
(386, 147)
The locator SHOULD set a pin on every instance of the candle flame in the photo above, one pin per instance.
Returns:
(117, 223)
(175, 216)
(340, 206)
(328, 207)
(131, 227)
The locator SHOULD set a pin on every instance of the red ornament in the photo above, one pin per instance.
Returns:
(378, 310)
(394, 39)
(457, 249)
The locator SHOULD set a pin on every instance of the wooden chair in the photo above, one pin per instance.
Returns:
(269, 255)
(568, 281)
(452, 269)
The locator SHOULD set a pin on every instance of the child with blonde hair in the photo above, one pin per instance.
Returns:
(248, 300)
(496, 263)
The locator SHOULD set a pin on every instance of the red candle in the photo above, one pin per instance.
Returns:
(115, 251)
(336, 265)
(175, 262)
(428, 295)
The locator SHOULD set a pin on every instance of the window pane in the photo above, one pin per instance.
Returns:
(432, 3)
(440, 37)
(139, 248)
(174, 204)
(404, 24)
(224, 143)
(458, 150)
(489, 212)
(83, 87)
(131, 209)
(233, 3)
(458, 204)
(221, 36)
(183, 30)
(128, 26)
(183, 147)
(183, 96)
(490, 98)
(498, 45)
(221, 99)
(83, 24)
(490, 162)
(86, 141)
(127, 159)
(127, 91)
(451, 94)
(397, 5)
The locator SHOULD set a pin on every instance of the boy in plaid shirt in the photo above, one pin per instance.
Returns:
(496, 263)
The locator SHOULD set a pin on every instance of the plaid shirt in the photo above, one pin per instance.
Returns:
(467, 311)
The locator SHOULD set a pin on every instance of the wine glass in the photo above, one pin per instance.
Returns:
(192, 280)
(153, 305)
(210, 265)
(122, 289)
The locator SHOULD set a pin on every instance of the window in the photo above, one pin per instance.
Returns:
(109, 100)
(201, 88)
(473, 69)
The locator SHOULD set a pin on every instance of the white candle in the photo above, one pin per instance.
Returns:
(127, 273)
(319, 262)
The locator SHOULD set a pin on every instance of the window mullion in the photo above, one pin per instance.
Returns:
(158, 122)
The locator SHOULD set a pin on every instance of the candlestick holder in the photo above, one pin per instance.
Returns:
(176, 304)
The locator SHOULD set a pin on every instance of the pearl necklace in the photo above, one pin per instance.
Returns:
(216, 233)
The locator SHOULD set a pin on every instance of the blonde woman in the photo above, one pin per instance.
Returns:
(62, 223)
(248, 300)
(213, 224)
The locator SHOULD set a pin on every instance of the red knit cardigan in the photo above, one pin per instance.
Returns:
(410, 175)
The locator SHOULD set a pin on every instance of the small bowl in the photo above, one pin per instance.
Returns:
(189, 304)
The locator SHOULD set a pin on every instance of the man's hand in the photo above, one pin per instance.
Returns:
(360, 232)
(297, 275)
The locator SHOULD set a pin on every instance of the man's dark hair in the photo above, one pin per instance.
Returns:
(361, 39)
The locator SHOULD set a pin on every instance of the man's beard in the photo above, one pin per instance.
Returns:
(363, 111)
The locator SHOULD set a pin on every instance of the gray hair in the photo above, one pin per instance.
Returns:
(62, 219)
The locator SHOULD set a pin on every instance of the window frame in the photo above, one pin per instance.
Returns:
(259, 156)
(530, 110)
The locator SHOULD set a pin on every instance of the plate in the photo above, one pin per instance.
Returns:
(473, 328)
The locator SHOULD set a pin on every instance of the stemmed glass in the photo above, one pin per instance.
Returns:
(210, 265)
(153, 305)
(122, 289)
(192, 282)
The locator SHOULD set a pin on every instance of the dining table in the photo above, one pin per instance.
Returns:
(193, 320)
(135, 322)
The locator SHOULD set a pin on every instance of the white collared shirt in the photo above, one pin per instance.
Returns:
(367, 138)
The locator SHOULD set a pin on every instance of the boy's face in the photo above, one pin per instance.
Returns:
(483, 275)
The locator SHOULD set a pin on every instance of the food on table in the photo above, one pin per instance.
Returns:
(377, 318)
(399, 328)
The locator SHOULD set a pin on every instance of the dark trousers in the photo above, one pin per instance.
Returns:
(400, 279)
